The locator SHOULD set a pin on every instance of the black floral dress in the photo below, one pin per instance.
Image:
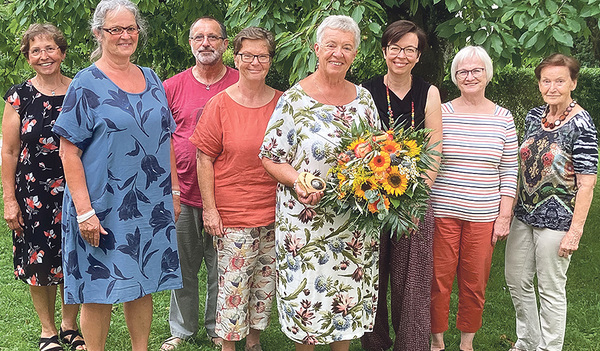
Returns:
(39, 187)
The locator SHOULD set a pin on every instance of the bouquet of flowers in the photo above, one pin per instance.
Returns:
(379, 177)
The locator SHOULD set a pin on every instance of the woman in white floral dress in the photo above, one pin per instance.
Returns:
(327, 274)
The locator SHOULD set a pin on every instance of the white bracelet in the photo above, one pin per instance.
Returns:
(176, 192)
(84, 217)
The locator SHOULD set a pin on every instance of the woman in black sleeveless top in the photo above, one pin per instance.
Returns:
(407, 262)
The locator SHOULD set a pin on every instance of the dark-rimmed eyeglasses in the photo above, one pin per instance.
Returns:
(211, 38)
(131, 30)
(37, 51)
(475, 72)
(395, 50)
(248, 58)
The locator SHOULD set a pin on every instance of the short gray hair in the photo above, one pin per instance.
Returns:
(99, 18)
(340, 22)
(469, 52)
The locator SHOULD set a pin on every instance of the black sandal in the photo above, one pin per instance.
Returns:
(68, 337)
(46, 342)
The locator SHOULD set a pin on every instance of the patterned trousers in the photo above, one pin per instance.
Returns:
(246, 265)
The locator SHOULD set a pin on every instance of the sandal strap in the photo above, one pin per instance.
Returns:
(46, 342)
(68, 337)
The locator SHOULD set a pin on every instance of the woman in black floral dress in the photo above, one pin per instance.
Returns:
(33, 181)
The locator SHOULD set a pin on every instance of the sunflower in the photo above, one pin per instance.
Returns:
(413, 148)
(390, 146)
(355, 143)
(395, 183)
(380, 162)
(362, 184)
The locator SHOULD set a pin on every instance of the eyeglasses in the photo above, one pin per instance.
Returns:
(395, 50)
(211, 38)
(37, 51)
(475, 72)
(248, 58)
(131, 30)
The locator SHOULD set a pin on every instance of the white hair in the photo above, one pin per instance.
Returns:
(99, 18)
(472, 52)
(340, 22)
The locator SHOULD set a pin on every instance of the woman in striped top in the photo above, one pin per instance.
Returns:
(472, 196)
(559, 162)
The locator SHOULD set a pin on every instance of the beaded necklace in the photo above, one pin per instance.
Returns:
(391, 113)
(561, 118)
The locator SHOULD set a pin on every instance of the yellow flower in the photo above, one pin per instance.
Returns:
(362, 184)
(413, 148)
(395, 183)
(380, 162)
(356, 143)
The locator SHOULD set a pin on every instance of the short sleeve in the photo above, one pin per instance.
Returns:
(208, 134)
(280, 139)
(12, 97)
(76, 122)
(585, 147)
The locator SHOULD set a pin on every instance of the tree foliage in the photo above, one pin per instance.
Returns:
(509, 30)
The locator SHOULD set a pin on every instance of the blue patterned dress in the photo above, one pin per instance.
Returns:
(125, 139)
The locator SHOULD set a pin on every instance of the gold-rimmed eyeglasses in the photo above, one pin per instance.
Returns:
(36, 52)
(211, 38)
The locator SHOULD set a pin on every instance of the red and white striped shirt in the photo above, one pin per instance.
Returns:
(479, 164)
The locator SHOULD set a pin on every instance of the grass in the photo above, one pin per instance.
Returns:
(20, 327)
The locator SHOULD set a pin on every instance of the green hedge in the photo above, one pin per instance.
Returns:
(517, 90)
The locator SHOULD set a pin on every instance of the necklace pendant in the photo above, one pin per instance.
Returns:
(207, 87)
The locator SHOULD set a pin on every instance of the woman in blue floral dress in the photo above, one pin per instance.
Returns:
(327, 274)
(118, 215)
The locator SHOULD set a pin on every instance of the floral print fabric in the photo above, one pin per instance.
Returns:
(39, 189)
(125, 143)
(550, 161)
(246, 265)
(327, 275)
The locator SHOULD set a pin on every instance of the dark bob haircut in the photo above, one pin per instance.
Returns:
(400, 28)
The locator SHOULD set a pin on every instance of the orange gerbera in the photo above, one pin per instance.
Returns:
(380, 162)
(413, 148)
(373, 206)
(390, 146)
(395, 183)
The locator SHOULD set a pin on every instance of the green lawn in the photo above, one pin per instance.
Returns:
(19, 326)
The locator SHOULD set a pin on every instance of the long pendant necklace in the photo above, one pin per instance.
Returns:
(391, 113)
(561, 118)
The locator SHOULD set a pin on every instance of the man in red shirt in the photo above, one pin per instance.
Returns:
(187, 93)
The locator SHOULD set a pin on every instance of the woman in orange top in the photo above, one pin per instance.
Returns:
(237, 193)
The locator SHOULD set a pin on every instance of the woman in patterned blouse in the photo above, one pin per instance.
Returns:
(33, 180)
(559, 162)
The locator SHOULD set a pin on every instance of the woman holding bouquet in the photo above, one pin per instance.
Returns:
(405, 260)
(327, 273)
(471, 212)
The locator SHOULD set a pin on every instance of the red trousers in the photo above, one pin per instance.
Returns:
(462, 249)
